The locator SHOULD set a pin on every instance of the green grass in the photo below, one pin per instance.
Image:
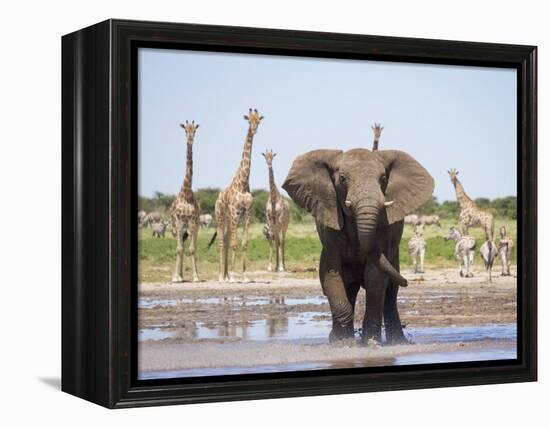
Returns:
(157, 256)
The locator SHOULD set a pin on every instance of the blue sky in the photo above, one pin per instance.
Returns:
(444, 116)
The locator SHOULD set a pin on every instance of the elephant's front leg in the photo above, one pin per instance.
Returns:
(392, 321)
(376, 283)
(332, 281)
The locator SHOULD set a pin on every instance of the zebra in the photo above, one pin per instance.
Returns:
(412, 219)
(488, 253)
(464, 250)
(159, 229)
(205, 220)
(429, 220)
(417, 248)
(505, 249)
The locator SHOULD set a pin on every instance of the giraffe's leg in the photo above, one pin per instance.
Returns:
(193, 250)
(178, 273)
(281, 249)
(270, 265)
(422, 262)
(245, 244)
(283, 240)
(233, 246)
(459, 262)
(226, 255)
(276, 249)
(279, 252)
(222, 248)
(415, 260)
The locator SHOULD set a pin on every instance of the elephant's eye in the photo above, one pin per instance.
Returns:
(383, 180)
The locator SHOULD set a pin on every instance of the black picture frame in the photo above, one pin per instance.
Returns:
(99, 193)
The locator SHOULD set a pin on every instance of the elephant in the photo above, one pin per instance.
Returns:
(359, 199)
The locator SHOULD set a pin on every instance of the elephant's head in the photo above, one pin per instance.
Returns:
(371, 187)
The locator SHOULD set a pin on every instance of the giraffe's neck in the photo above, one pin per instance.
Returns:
(461, 196)
(273, 192)
(186, 188)
(240, 182)
(375, 143)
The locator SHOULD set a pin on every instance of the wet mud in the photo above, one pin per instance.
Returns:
(279, 323)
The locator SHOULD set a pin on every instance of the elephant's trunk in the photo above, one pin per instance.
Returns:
(366, 215)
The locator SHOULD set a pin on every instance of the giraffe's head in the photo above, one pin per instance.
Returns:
(453, 173)
(253, 118)
(190, 129)
(377, 129)
(269, 155)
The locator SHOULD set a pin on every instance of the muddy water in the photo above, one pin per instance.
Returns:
(148, 303)
(203, 330)
(293, 326)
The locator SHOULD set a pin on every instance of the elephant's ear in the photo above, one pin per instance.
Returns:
(309, 184)
(409, 184)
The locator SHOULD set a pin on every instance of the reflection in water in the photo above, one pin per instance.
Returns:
(462, 334)
(316, 325)
(278, 327)
(148, 303)
(155, 333)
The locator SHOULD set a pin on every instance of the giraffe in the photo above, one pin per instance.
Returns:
(277, 215)
(185, 211)
(234, 205)
(470, 214)
(377, 129)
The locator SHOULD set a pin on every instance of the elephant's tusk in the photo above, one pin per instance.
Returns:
(388, 203)
(348, 203)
